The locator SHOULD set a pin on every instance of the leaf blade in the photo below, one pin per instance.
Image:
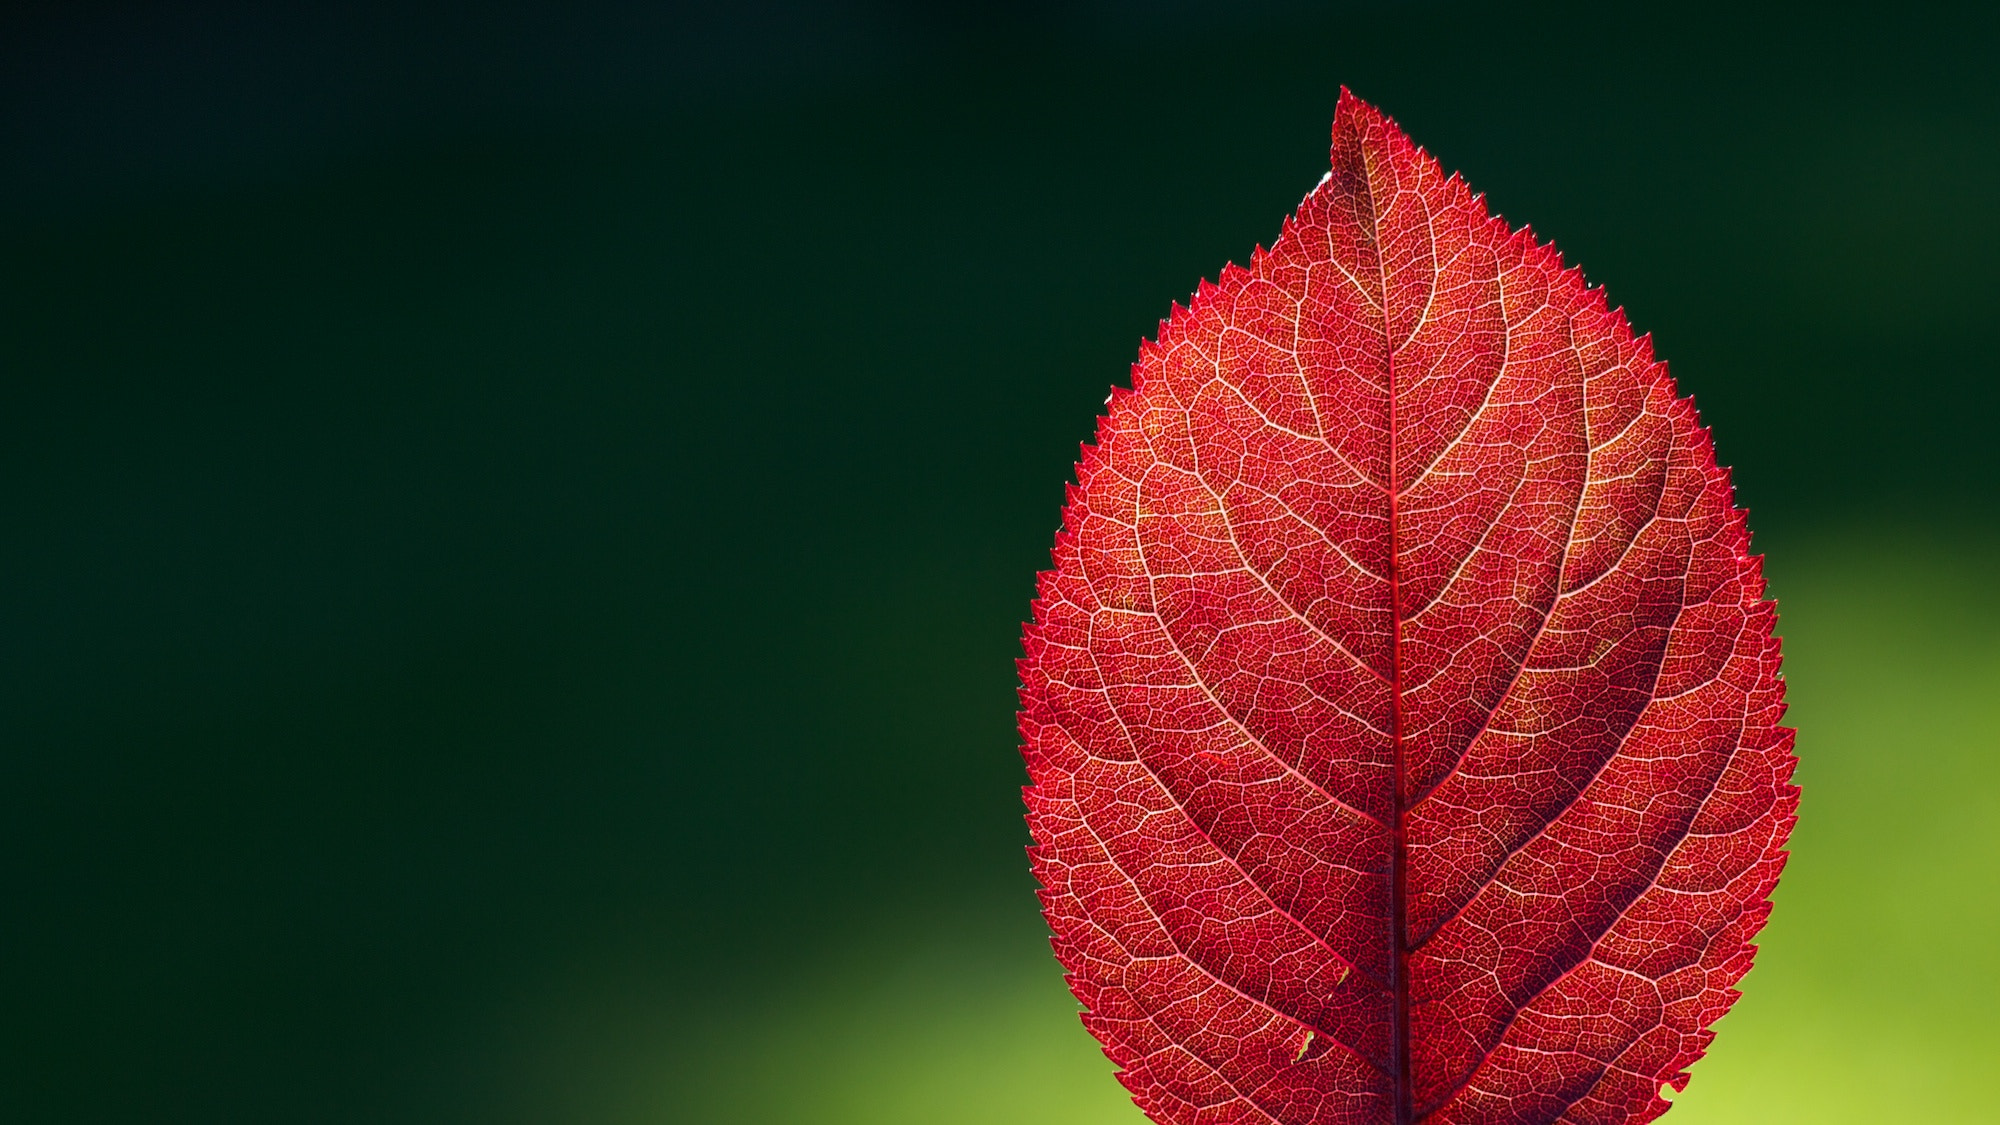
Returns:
(1401, 687)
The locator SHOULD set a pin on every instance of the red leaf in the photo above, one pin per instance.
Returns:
(1402, 709)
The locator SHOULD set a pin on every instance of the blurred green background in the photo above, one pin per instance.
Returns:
(514, 519)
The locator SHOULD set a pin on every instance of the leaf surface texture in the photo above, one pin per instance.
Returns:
(1402, 709)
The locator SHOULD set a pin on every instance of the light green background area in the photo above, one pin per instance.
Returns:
(1872, 1000)
(1874, 996)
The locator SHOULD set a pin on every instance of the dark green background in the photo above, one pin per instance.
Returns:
(514, 521)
